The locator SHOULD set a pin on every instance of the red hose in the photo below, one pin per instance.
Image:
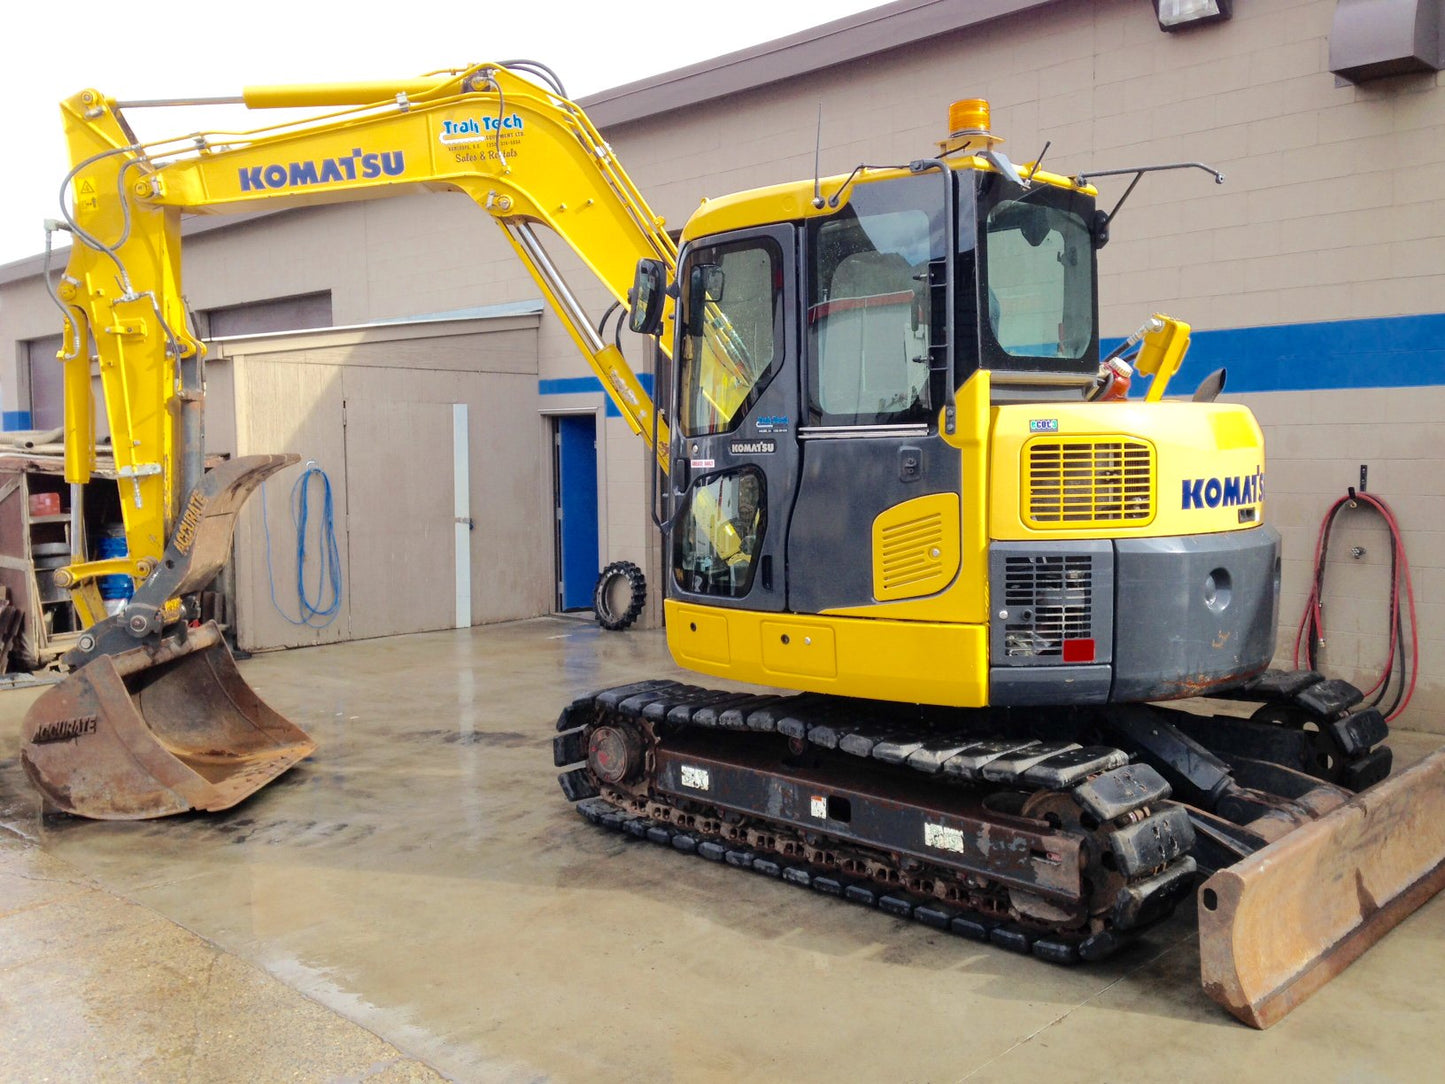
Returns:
(1312, 623)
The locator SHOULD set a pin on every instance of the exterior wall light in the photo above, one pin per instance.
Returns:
(1181, 14)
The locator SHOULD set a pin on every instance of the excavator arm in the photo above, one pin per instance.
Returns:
(525, 154)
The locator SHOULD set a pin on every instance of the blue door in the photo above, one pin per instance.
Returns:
(576, 485)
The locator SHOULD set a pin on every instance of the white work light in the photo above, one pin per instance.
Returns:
(1178, 14)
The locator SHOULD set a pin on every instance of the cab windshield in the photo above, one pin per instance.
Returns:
(733, 335)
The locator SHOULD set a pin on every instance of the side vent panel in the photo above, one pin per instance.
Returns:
(916, 547)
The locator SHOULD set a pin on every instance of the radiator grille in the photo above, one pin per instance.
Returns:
(1092, 482)
(1048, 600)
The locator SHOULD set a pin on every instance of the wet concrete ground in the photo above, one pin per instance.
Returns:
(419, 899)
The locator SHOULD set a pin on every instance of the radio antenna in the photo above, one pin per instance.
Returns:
(817, 157)
(1040, 159)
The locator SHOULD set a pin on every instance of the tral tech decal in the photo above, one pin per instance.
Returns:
(477, 139)
(473, 129)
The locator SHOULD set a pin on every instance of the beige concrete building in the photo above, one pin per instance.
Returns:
(1314, 274)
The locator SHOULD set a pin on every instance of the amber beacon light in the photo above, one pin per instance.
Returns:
(968, 127)
(968, 117)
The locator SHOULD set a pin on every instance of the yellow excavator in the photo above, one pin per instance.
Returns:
(894, 478)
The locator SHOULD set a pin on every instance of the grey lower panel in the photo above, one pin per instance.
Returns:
(1193, 613)
(1014, 687)
(1177, 617)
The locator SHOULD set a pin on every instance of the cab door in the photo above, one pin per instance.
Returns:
(878, 509)
(734, 452)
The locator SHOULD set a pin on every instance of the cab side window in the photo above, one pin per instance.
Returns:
(875, 279)
(733, 321)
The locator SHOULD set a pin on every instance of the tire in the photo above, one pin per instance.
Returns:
(610, 586)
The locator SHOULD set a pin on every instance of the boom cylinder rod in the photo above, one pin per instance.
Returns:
(328, 94)
(191, 453)
(618, 380)
(563, 293)
(166, 103)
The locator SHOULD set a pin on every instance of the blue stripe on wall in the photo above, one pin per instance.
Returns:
(1390, 352)
(581, 385)
(12, 420)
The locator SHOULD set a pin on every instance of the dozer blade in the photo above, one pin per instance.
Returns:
(1278, 925)
(156, 730)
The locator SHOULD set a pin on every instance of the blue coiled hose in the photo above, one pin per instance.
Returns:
(328, 566)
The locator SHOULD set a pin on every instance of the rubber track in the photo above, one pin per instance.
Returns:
(927, 912)
(821, 721)
(1330, 703)
(1114, 789)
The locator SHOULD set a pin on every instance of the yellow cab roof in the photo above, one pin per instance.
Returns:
(793, 200)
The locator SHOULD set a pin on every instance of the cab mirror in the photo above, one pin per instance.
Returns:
(648, 297)
(712, 281)
(704, 287)
(1099, 228)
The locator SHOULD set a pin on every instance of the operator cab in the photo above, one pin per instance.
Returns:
(817, 355)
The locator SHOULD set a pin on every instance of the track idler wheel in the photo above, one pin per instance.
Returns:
(1137, 865)
(1062, 813)
(615, 753)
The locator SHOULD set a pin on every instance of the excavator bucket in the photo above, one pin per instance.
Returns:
(150, 723)
(155, 731)
(1278, 925)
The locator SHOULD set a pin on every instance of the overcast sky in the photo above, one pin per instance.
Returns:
(211, 50)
